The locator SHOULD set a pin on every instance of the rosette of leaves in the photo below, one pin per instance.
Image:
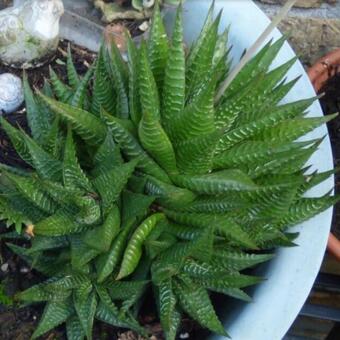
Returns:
(141, 178)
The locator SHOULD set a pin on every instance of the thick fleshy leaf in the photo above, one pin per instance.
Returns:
(248, 152)
(197, 118)
(158, 48)
(86, 310)
(196, 302)
(74, 330)
(37, 119)
(236, 261)
(61, 223)
(81, 254)
(118, 73)
(106, 315)
(55, 313)
(53, 142)
(132, 149)
(168, 195)
(44, 292)
(107, 262)
(80, 94)
(222, 224)
(273, 117)
(46, 166)
(134, 207)
(110, 184)
(148, 91)
(133, 250)
(306, 208)
(17, 139)
(73, 175)
(259, 64)
(217, 182)
(195, 156)
(167, 302)
(72, 75)
(30, 188)
(230, 281)
(156, 142)
(103, 93)
(101, 237)
(173, 97)
(200, 66)
(290, 130)
(88, 126)
(61, 90)
(133, 64)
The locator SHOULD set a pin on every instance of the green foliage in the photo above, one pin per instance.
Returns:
(4, 298)
(139, 179)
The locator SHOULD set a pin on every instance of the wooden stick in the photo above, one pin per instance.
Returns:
(252, 50)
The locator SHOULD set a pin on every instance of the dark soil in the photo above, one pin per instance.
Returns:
(330, 103)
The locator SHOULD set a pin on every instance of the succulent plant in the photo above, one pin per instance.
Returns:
(141, 179)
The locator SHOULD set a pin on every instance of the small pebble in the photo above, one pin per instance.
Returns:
(11, 92)
(24, 270)
(4, 267)
(144, 26)
(184, 335)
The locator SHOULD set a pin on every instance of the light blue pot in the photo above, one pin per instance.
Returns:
(291, 274)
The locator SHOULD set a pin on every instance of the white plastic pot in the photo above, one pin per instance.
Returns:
(291, 274)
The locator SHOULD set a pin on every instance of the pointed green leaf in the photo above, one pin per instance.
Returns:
(72, 75)
(86, 310)
(73, 175)
(17, 140)
(156, 142)
(88, 126)
(217, 182)
(46, 166)
(74, 330)
(118, 72)
(132, 149)
(110, 184)
(62, 91)
(148, 91)
(133, 250)
(102, 92)
(157, 47)
(196, 302)
(168, 195)
(79, 96)
(37, 120)
(173, 97)
(133, 63)
(55, 313)
(101, 237)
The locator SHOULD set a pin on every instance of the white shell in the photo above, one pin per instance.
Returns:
(11, 92)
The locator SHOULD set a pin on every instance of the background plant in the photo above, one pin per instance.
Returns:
(140, 178)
